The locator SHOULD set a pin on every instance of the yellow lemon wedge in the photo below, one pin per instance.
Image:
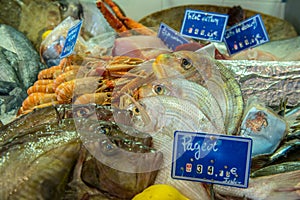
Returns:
(45, 34)
(160, 192)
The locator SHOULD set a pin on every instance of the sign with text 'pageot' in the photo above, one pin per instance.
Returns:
(204, 25)
(211, 158)
(170, 37)
(71, 40)
(247, 34)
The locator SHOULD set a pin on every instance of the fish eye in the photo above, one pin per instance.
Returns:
(63, 7)
(136, 110)
(104, 130)
(82, 112)
(186, 64)
(158, 89)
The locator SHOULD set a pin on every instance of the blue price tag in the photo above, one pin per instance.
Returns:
(204, 25)
(249, 33)
(211, 158)
(71, 40)
(170, 37)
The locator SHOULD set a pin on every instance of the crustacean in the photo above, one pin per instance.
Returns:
(79, 82)
(119, 22)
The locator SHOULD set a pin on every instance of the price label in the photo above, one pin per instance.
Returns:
(170, 37)
(71, 40)
(211, 158)
(247, 34)
(204, 25)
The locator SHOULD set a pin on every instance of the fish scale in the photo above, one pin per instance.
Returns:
(170, 112)
(202, 69)
(176, 114)
(184, 89)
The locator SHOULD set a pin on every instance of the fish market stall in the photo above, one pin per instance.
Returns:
(97, 105)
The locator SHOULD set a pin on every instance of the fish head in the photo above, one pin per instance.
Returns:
(165, 86)
(147, 114)
(73, 9)
(194, 66)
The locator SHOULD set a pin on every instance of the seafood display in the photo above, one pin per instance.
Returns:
(100, 123)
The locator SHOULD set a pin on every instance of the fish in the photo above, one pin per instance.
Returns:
(273, 187)
(19, 65)
(43, 156)
(277, 168)
(210, 73)
(25, 61)
(160, 116)
(268, 81)
(185, 89)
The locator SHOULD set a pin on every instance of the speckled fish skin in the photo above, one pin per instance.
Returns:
(276, 169)
(24, 59)
(30, 164)
(272, 187)
(208, 72)
(38, 157)
(270, 81)
(184, 89)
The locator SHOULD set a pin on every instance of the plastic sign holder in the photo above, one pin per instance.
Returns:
(170, 37)
(204, 25)
(245, 35)
(211, 158)
(71, 40)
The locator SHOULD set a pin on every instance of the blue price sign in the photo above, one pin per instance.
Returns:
(249, 33)
(71, 40)
(211, 158)
(204, 25)
(170, 37)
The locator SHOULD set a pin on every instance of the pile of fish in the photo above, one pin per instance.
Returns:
(20, 65)
(63, 148)
(44, 154)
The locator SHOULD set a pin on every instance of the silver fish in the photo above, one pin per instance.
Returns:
(201, 68)
(160, 116)
(26, 61)
(277, 168)
(184, 89)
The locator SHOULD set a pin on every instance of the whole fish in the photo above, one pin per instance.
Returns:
(277, 168)
(38, 158)
(160, 116)
(273, 187)
(210, 73)
(24, 59)
(184, 89)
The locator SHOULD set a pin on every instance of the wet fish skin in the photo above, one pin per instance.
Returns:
(166, 115)
(184, 89)
(44, 155)
(26, 61)
(37, 170)
(8, 73)
(210, 73)
(272, 187)
(277, 168)
(284, 149)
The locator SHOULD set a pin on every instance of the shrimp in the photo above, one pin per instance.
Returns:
(36, 99)
(97, 98)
